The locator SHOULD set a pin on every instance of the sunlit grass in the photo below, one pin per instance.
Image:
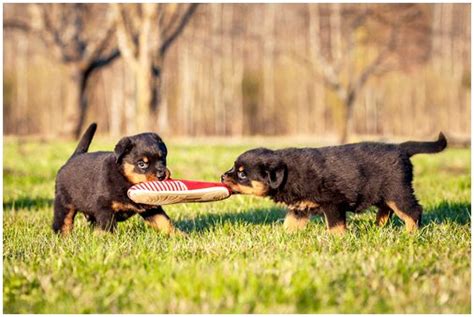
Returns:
(237, 258)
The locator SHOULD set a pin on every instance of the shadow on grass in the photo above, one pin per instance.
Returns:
(263, 216)
(444, 212)
(27, 203)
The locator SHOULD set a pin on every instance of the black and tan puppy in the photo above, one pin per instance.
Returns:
(96, 183)
(334, 180)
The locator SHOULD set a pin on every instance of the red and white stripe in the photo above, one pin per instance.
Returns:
(162, 186)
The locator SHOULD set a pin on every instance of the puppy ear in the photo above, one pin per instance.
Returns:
(160, 141)
(157, 137)
(122, 148)
(276, 175)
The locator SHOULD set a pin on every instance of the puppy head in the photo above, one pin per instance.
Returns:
(142, 158)
(257, 172)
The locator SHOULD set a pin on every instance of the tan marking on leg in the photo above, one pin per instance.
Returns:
(383, 216)
(168, 174)
(120, 206)
(337, 229)
(410, 223)
(161, 223)
(293, 223)
(68, 221)
(131, 175)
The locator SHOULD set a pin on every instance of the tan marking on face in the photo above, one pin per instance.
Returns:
(410, 223)
(151, 177)
(241, 169)
(293, 223)
(337, 229)
(161, 223)
(383, 216)
(257, 188)
(304, 205)
(168, 173)
(118, 206)
(145, 159)
(131, 175)
(68, 221)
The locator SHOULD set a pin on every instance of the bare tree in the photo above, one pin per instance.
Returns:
(80, 37)
(334, 68)
(145, 32)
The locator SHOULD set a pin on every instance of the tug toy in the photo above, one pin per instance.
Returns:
(177, 191)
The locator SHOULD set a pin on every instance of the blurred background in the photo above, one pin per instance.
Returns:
(333, 72)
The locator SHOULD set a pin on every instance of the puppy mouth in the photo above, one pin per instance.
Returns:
(234, 187)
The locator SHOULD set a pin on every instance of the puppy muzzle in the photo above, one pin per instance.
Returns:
(163, 174)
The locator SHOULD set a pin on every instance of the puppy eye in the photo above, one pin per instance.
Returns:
(242, 175)
(141, 164)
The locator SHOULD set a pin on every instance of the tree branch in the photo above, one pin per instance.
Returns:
(168, 40)
(124, 40)
(359, 83)
(95, 49)
(17, 25)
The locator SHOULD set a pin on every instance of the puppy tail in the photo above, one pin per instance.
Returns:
(86, 140)
(413, 147)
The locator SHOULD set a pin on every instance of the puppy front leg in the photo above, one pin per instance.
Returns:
(335, 219)
(105, 220)
(383, 215)
(295, 220)
(159, 220)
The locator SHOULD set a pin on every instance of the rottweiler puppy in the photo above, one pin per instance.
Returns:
(333, 180)
(96, 183)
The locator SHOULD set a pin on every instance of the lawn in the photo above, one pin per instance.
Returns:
(236, 258)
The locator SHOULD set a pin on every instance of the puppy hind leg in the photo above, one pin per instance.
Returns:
(383, 215)
(409, 210)
(64, 214)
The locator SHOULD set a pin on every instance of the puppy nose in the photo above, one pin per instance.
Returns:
(161, 174)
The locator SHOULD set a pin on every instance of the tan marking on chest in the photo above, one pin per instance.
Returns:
(304, 205)
(118, 206)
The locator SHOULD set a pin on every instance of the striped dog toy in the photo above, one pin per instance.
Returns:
(177, 191)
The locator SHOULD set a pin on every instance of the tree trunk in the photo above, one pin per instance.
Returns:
(347, 122)
(160, 104)
(83, 103)
(143, 97)
(75, 102)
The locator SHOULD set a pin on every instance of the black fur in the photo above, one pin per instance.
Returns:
(96, 183)
(336, 179)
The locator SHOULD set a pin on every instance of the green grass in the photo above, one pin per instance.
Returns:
(237, 258)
